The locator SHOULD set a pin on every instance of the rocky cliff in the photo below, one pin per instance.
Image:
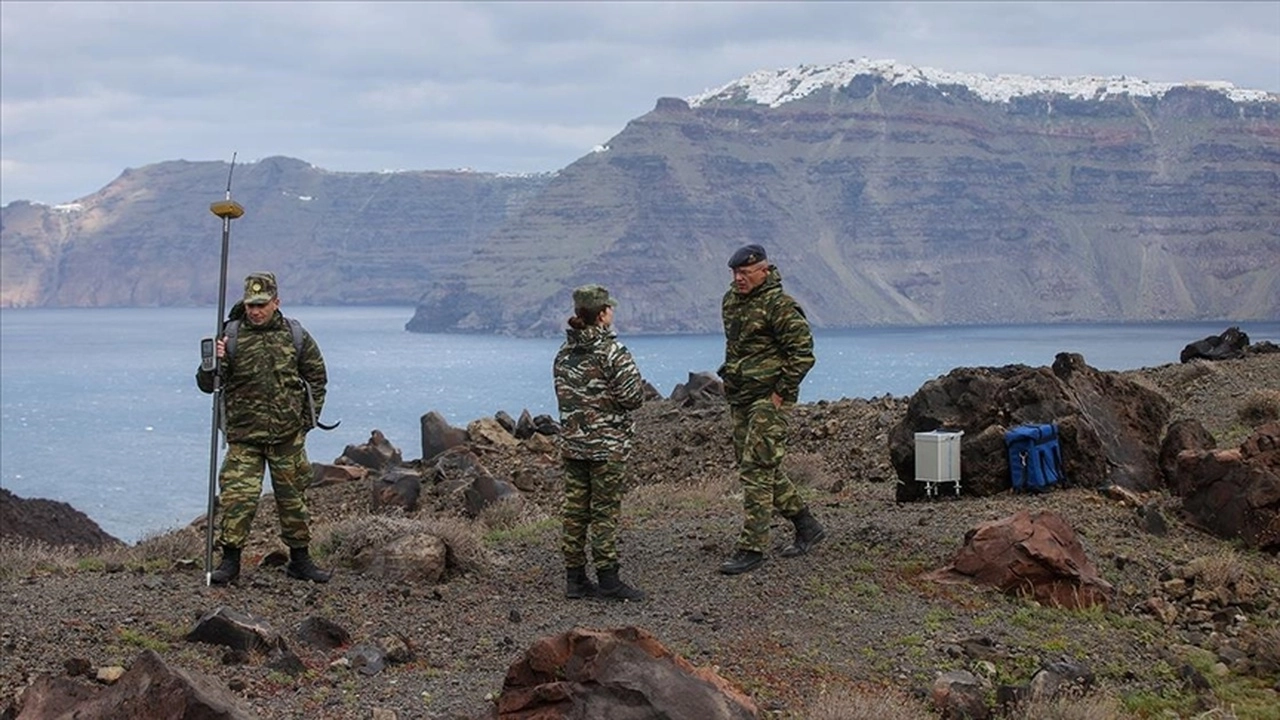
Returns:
(886, 194)
(148, 238)
(889, 195)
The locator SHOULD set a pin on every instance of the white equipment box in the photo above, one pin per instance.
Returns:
(938, 459)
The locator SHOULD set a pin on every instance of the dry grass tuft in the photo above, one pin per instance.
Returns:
(708, 489)
(1070, 707)
(511, 512)
(1222, 569)
(868, 704)
(807, 470)
(344, 540)
(1260, 407)
(167, 548)
(24, 557)
(467, 551)
(1266, 646)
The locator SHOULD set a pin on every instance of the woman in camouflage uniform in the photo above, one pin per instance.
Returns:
(597, 387)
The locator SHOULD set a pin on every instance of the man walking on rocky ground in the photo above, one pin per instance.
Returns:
(768, 351)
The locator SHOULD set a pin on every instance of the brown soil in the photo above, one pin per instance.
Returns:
(855, 613)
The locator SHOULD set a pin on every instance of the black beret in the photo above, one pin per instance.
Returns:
(747, 255)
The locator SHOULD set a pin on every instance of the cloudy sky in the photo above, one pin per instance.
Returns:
(89, 89)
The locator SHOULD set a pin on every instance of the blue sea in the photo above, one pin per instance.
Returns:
(99, 408)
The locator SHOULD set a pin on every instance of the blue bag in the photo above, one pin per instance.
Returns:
(1035, 458)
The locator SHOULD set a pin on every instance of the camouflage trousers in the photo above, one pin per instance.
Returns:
(240, 488)
(759, 444)
(592, 504)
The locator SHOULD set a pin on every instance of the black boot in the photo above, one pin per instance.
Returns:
(809, 532)
(577, 584)
(742, 561)
(300, 567)
(611, 588)
(227, 570)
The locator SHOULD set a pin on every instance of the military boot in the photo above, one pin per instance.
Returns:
(742, 561)
(228, 569)
(577, 584)
(612, 588)
(809, 532)
(301, 567)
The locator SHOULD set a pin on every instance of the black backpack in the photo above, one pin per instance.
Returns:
(231, 329)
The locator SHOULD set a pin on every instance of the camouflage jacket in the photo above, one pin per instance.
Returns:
(597, 387)
(768, 346)
(264, 399)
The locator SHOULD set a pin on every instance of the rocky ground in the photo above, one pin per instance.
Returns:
(797, 634)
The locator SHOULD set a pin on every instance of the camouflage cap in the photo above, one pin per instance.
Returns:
(747, 255)
(259, 288)
(592, 297)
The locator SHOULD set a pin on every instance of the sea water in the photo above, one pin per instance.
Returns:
(99, 408)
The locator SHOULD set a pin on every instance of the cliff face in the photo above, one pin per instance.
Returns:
(148, 238)
(881, 200)
(902, 204)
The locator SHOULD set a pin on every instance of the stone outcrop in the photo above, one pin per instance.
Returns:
(236, 630)
(416, 558)
(1232, 344)
(959, 694)
(375, 453)
(1183, 435)
(149, 690)
(1234, 493)
(1033, 554)
(617, 674)
(438, 435)
(1109, 427)
(702, 389)
(51, 522)
(397, 487)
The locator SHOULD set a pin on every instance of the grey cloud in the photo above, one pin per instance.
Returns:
(87, 89)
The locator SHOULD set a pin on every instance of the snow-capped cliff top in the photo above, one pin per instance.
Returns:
(777, 87)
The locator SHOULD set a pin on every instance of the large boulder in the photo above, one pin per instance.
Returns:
(397, 488)
(1234, 493)
(438, 435)
(490, 432)
(149, 690)
(375, 453)
(416, 558)
(618, 674)
(464, 483)
(1230, 345)
(1035, 554)
(323, 474)
(703, 389)
(1185, 435)
(236, 630)
(1109, 427)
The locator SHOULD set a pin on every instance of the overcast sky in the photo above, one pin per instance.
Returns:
(89, 89)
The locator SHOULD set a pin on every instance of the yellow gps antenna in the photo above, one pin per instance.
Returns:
(228, 210)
